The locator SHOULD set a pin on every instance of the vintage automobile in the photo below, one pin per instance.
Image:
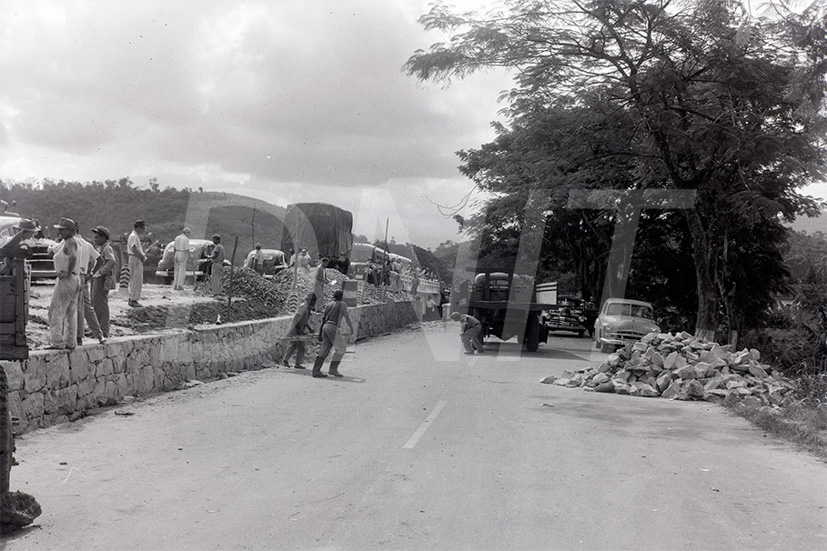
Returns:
(41, 264)
(274, 261)
(622, 321)
(568, 316)
(198, 265)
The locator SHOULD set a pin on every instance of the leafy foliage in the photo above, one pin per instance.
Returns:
(116, 204)
(640, 94)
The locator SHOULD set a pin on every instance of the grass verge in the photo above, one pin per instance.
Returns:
(802, 421)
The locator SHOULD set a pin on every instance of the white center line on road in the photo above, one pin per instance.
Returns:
(424, 426)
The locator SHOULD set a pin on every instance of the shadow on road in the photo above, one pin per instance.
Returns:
(309, 373)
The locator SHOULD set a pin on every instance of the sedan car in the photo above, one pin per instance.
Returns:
(274, 261)
(622, 321)
(198, 264)
(568, 316)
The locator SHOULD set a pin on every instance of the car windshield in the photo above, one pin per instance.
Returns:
(626, 309)
(7, 227)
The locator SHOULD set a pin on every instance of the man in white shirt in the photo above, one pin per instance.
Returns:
(137, 257)
(63, 308)
(87, 263)
(182, 256)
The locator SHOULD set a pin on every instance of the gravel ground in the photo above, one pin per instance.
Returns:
(164, 309)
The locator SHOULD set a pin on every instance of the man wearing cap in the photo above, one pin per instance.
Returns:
(26, 228)
(137, 257)
(88, 259)
(103, 280)
(217, 269)
(63, 308)
(182, 256)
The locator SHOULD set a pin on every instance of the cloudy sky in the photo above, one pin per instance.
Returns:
(284, 100)
(278, 99)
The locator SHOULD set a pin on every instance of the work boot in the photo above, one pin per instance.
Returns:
(334, 368)
(317, 368)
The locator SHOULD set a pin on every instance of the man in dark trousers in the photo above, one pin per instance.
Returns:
(103, 279)
(469, 332)
(334, 313)
(299, 325)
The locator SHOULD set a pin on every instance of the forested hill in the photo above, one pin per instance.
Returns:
(116, 204)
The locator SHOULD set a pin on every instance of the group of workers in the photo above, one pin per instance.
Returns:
(330, 333)
(85, 275)
(182, 255)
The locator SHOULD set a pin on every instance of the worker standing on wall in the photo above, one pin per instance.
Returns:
(182, 256)
(217, 270)
(137, 257)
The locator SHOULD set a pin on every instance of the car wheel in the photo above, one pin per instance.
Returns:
(532, 336)
(607, 348)
(597, 339)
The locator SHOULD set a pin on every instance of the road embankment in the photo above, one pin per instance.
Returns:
(56, 386)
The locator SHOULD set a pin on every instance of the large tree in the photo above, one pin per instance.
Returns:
(719, 101)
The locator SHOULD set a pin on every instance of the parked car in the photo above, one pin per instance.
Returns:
(41, 264)
(568, 316)
(274, 261)
(198, 265)
(622, 321)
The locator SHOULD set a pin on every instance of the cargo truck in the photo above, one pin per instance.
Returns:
(323, 229)
(507, 306)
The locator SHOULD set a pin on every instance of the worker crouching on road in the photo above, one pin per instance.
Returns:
(469, 332)
(334, 313)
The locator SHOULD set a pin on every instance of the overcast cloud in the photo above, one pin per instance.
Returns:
(283, 100)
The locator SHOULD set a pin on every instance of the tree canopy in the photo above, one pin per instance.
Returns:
(698, 95)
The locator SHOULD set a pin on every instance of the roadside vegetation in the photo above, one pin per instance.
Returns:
(618, 110)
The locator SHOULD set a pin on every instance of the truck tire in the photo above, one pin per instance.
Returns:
(532, 332)
(6, 436)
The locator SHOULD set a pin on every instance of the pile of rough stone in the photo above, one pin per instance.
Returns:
(682, 367)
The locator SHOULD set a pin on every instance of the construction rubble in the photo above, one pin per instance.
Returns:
(681, 367)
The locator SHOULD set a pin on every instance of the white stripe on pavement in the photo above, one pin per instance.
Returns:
(424, 426)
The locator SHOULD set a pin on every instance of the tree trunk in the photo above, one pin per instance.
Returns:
(705, 254)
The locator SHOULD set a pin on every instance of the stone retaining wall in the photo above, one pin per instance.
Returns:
(53, 387)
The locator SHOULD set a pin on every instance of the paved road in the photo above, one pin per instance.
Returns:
(418, 448)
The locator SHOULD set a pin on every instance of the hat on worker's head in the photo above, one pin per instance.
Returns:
(186, 231)
(258, 245)
(27, 224)
(139, 224)
(65, 224)
(102, 230)
(455, 316)
(216, 236)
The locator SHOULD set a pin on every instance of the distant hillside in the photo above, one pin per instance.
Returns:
(811, 225)
(117, 204)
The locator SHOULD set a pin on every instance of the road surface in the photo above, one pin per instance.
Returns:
(419, 447)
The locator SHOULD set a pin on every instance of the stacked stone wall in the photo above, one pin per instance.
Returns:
(55, 386)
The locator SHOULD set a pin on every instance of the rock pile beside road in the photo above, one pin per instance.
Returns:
(682, 367)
